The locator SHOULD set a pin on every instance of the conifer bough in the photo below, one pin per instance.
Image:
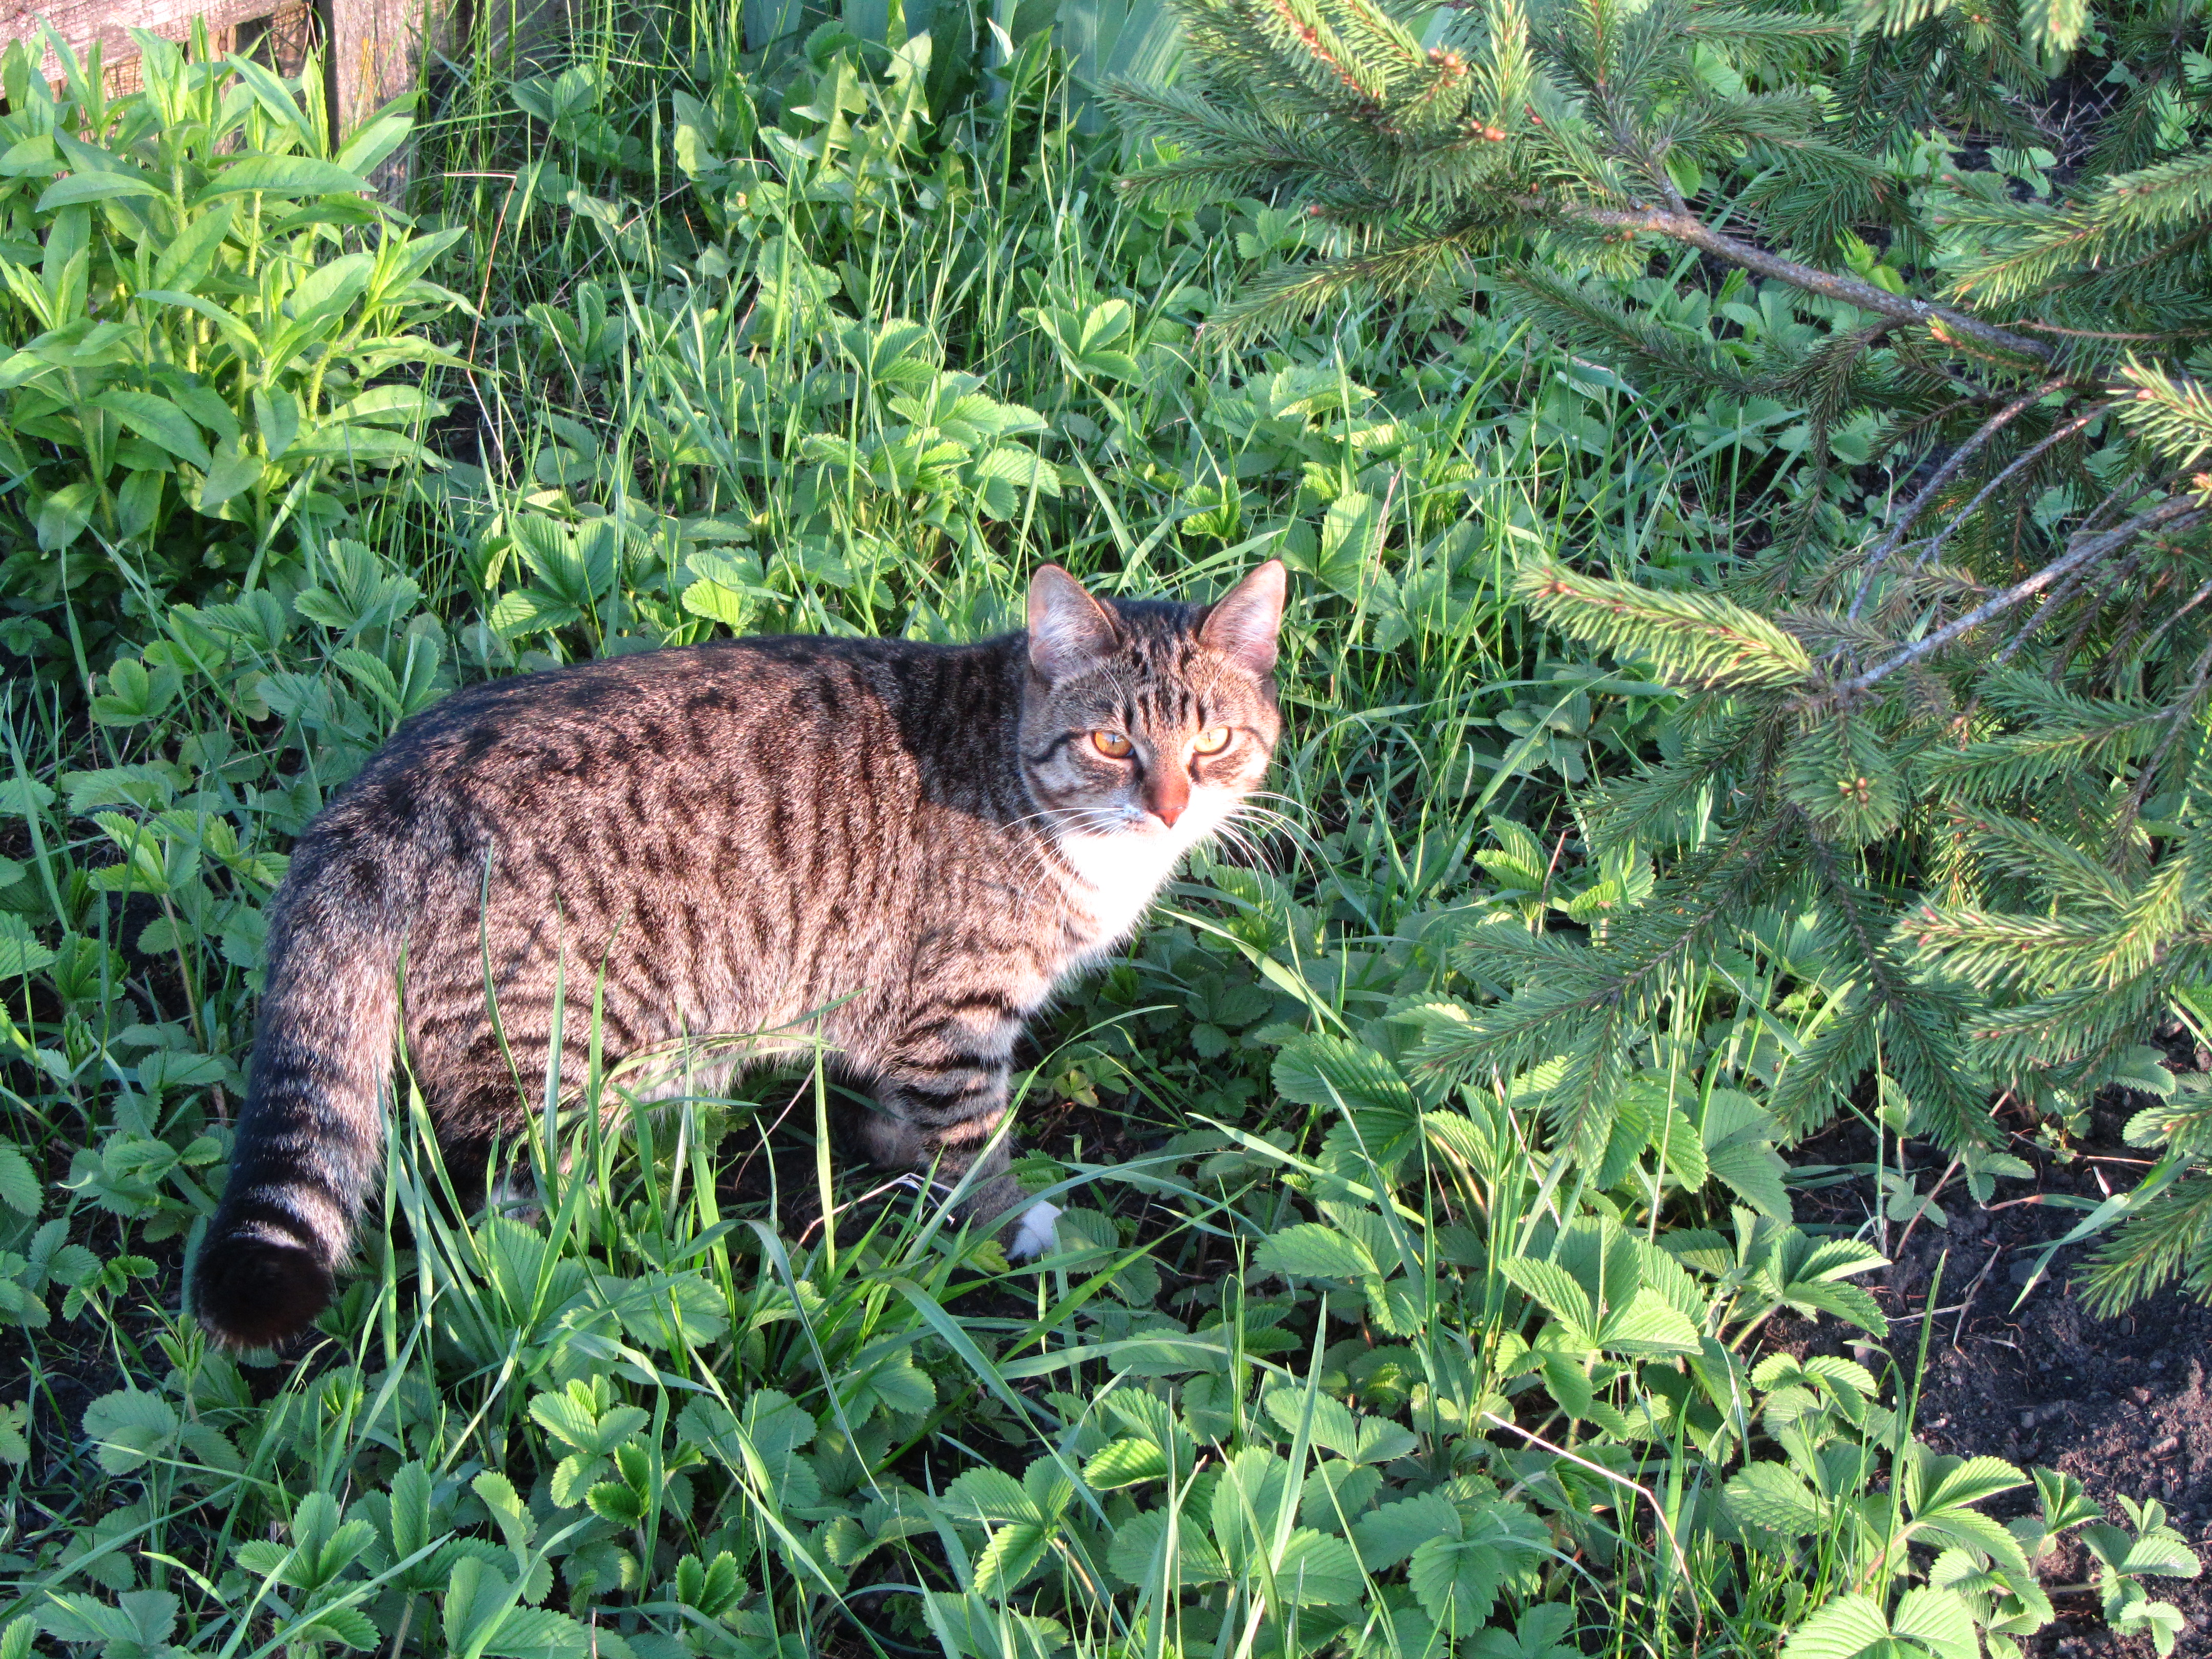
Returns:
(1954, 701)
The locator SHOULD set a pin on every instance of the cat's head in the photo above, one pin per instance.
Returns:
(1145, 718)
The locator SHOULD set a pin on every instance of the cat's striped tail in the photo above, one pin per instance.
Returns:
(311, 1134)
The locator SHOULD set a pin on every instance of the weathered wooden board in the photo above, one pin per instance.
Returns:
(82, 22)
(372, 49)
(375, 53)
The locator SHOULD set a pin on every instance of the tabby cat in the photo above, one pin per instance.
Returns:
(892, 850)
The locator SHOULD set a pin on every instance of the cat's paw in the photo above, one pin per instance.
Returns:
(515, 1195)
(1034, 1233)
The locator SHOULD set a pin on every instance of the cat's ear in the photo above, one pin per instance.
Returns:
(1068, 628)
(1244, 621)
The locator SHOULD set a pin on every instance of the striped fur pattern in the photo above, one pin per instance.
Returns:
(893, 850)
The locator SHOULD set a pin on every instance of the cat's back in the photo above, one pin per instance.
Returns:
(652, 729)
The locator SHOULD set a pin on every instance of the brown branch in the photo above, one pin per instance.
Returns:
(2106, 333)
(2178, 513)
(1949, 470)
(1952, 325)
(2183, 706)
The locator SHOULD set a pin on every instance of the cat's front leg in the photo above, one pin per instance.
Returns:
(939, 1107)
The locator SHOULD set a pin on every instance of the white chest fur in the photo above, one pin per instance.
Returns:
(1122, 875)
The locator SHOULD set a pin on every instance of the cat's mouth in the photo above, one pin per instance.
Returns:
(1190, 823)
(1132, 826)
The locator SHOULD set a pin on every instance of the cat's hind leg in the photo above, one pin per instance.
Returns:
(940, 1113)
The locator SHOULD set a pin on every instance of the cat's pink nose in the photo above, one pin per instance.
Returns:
(1168, 812)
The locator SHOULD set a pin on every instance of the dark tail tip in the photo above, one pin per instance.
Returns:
(252, 1289)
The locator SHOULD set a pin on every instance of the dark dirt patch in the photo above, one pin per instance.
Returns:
(2119, 1403)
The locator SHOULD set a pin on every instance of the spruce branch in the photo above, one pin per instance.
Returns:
(1917, 1023)
(1692, 639)
(1829, 763)
(2172, 412)
(2170, 1239)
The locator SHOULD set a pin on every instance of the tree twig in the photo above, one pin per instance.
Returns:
(1949, 470)
(2026, 457)
(2183, 706)
(2178, 513)
(1658, 1510)
(1941, 320)
(1967, 1306)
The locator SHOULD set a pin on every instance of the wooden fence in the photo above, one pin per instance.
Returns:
(372, 49)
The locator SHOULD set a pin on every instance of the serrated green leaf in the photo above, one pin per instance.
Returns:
(1387, 1535)
(1314, 1569)
(1139, 1554)
(129, 1426)
(1012, 1553)
(1775, 1497)
(1457, 1581)
(1124, 1463)
(1310, 1251)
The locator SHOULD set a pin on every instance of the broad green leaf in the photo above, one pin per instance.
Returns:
(62, 516)
(235, 333)
(374, 141)
(79, 187)
(191, 254)
(231, 475)
(161, 421)
(283, 176)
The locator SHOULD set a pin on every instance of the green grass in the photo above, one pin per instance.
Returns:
(1340, 1353)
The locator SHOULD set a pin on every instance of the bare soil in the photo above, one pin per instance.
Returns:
(2119, 1403)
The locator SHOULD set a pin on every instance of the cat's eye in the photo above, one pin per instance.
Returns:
(1111, 742)
(1212, 740)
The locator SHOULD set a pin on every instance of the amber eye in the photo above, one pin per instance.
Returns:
(1110, 743)
(1212, 740)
